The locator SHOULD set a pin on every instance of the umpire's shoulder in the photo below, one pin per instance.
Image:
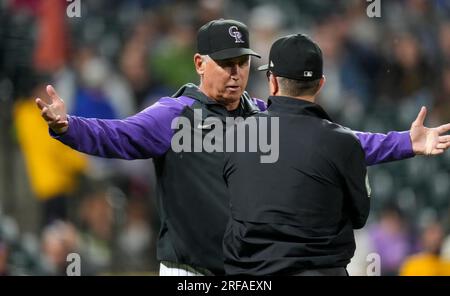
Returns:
(341, 136)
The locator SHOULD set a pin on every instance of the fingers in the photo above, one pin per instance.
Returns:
(437, 151)
(420, 117)
(51, 91)
(45, 111)
(442, 146)
(48, 115)
(443, 128)
(59, 121)
(52, 94)
(41, 104)
(54, 121)
(444, 139)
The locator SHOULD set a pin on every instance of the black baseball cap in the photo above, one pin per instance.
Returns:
(295, 57)
(224, 39)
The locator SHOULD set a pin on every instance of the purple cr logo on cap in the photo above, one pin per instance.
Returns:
(234, 32)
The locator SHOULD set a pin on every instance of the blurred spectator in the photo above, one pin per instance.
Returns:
(266, 23)
(52, 46)
(102, 92)
(349, 69)
(96, 217)
(429, 261)
(134, 59)
(441, 110)
(446, 248)
(444, 44)
(52, 168)
(171, 60)
(58, 240)
(209, 10)
(408, 72)
(391, 239)
(3, 259)
(331, 42)
(135, 63)
(135, 240)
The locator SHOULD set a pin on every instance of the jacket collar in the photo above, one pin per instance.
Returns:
(191, 90)
(290, 105)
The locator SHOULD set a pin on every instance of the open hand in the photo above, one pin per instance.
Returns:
(53, 110)
(428, 141)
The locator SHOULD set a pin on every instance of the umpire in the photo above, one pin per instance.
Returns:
(296, 216)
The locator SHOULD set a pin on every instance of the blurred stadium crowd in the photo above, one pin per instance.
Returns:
(122, 55)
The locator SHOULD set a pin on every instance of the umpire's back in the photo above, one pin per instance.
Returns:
(297, 214)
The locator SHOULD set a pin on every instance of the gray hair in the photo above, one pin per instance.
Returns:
(205, 58)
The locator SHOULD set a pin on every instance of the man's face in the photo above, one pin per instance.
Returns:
(225, 80)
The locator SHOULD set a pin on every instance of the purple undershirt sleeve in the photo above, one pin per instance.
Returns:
(144, 135)
(381, 148)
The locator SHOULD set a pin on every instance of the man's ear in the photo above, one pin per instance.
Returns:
(321, 84)
(273, 85)
(199, 64)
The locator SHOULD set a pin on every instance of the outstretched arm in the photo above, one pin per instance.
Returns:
(419, 140)
(144, 135)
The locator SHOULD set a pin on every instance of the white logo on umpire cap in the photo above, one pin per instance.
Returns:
(234, 32)
(307, 74)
